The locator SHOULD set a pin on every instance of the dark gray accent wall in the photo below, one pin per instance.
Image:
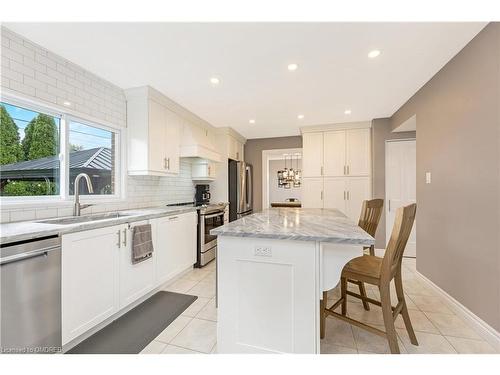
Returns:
(253, 155)
(458, 214)
(381, 132)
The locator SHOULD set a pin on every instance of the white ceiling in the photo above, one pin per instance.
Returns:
(251, 61)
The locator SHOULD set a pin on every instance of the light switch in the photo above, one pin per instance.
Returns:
(427, 177)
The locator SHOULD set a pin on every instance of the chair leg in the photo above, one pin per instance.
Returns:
(343, 294)
(372, 250)
(404, 311)
(362, 291)
(385, 299)
(322, 315)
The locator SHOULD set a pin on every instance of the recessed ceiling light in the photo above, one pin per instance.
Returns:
(292, 67)
(300, 117)
(347, 112)
(214, 81)
(373, 54)
(252, 121)
(66, 103)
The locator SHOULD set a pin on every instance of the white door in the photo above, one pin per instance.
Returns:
(358, 190)
(135, 279)
(335, 153)
(157, 136)
(400, 185)
(90, 274)
(312, 158)
(335, 193)
(312, 192)
(172, 141)
(358, 152)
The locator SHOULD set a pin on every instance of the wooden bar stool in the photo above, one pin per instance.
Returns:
(380, 271)
(371, 211)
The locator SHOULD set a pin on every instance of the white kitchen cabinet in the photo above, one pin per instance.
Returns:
(175, 245)
(312, 154)
(312, 192)
(198, 142)
(153, 134)
(235, 149)
(335, 193)
(135, 279)
(203, 171)
(334, 146)
(358, 152)
(90, 279)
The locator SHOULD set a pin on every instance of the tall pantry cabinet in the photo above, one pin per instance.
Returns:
(337, 167)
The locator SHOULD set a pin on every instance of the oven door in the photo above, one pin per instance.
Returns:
(211, 221)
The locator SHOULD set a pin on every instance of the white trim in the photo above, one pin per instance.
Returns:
(339, 126)
(267, 155)
(491, 335)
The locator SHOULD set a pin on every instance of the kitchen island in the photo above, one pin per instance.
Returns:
(272, 269)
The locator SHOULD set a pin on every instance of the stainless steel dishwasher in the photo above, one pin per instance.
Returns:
(31, 296)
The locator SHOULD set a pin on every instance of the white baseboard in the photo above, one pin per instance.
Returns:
(486, 331)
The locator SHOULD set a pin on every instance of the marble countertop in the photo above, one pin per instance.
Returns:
(299, 224)
(27, 230)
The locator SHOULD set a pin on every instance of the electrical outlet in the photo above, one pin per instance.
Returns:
(263, 251)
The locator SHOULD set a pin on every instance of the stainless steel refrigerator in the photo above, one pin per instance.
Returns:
(240, 189)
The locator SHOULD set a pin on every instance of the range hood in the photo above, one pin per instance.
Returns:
(200, 152)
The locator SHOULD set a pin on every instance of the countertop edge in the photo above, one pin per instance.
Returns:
(57, 229)
(337, 240)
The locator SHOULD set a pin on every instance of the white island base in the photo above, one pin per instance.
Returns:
(269, 292)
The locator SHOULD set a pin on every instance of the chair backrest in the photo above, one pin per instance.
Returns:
(405, 216)
(370, 215)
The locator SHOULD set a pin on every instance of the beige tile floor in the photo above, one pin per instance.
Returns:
(437, 328)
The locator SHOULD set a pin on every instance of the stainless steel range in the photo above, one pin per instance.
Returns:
(210, 216)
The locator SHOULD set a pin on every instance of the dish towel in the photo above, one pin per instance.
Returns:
(142, 243)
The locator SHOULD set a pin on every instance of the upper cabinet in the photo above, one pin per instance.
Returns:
(235, 148)
(153, 132)
(337, 153)
(199, 141)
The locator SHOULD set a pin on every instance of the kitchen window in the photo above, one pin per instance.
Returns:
(42, 151)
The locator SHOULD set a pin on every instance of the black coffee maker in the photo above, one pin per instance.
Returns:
(202, 195)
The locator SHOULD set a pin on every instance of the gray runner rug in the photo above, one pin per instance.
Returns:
(133, 331)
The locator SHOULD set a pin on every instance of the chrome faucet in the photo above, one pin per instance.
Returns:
(78, 207)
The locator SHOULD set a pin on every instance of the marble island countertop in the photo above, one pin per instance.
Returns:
(27, 230)
(298, 224)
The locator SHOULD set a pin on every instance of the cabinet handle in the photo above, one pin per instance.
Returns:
(237, 156)
(168, 163)
(173, 218)
(344, 195)
(125, 238)
(164, 163)
(347, 170)
(209, 170)
(322, 195)
(348, 196)
(119, 243)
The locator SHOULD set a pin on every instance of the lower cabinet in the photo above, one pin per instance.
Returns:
(175, 252)
(343, 193)
(90, 279)
(135, 279)
(99, 279)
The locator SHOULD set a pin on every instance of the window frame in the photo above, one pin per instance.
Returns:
(67, 115)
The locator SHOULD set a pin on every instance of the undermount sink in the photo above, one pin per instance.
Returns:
(83, 219)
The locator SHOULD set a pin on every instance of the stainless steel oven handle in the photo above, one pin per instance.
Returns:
(213, 215)
(31, 254)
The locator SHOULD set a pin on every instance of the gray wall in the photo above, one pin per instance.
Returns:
(381, 132)
(253, 155)
(458, 125)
